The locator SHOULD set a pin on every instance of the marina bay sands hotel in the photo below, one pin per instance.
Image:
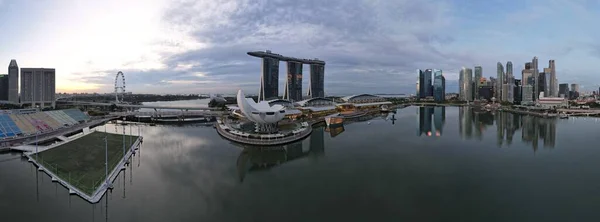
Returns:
(269, 79)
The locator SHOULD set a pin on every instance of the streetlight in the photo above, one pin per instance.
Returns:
(106, 159)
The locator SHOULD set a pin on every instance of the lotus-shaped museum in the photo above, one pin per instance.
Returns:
(262, 114)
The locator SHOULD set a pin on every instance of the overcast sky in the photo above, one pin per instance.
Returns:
(370, 46)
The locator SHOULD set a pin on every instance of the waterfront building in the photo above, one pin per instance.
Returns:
(552, 102)
(486, 92)
(362, 101)
(4, 87)
(553, 83)
(425, 83)
(536, 87)
(500, 82)
(316, 85)
(293, 86)
(478, 79)
(527, 92)
(13, 81)
(517, 91)
(466, 84)
(269, 79)
(563, 90)
(507, 93)
(315, 107)
(38, 86)
(439, 86)
(262, 114)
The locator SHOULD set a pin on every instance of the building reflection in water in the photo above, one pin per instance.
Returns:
(424, 120)
(257, 158)
(533, 129)
(334, 131)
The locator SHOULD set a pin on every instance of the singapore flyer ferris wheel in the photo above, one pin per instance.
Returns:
(120, 88)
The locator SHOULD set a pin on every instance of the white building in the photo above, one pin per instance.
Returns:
(38, 86)
(552, 102)
(262, 114)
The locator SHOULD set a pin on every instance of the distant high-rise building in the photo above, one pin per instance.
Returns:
(575, 87)
(316, 85)
(439, 86)
(38, 86)
(536, 87)
(543, 84)
(466, 84)
(269, 79)
(527, 92)
(486, 92)
(425, 83)
(13, 81)
(553, 82)
(4, 87)
(501, 81)
(563, 90)
(517, 91)
(293, 86)
(478, 78)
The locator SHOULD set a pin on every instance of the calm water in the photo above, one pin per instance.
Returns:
(472, 167)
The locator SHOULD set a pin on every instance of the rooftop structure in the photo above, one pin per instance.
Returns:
(269, 54)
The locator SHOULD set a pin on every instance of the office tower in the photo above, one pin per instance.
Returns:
(552, 79)
(486, 92)
(418, 89)
(509, 73)
(501, 81)
(461, 89)
(478, 78)
(439, 86)
(563, 90)
(536, 87)
(543, 84)
(316, 85)
(13, 81)
(517, 91)
(4, 87)
(528, 66)
(38, 86)
(425, 86)
(507, 93)
(293, 86)
(466, 84)
(527, 93)
(575, 87)
(269, 79)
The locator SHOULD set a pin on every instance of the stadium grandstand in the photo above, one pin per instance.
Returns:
(15, 123)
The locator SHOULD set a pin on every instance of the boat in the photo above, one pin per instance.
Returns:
(334, 120)
(563, 115)
(552, 115)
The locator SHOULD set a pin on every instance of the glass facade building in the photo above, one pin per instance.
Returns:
(293, 86)
(478, 76)
(316, 86)
(269, 79)
(439, 86)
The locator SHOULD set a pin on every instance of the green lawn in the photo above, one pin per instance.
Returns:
(81, 162)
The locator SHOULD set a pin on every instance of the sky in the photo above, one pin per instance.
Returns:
(370, 46)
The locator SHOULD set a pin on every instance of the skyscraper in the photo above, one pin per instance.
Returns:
(466, 84)
(439, 86)
(543, 83)
(517, 91)
(563, 90)
(13, 81)
(500, 82)
(269, 79)
(575, 87)
(478, 76)
(38, 86)
(293, 86)
(4, 87)
(316, 85)
(553, 83)
(536, 88)
(510, 82)
(425, 86)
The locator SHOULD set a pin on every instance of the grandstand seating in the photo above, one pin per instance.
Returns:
(12, 125)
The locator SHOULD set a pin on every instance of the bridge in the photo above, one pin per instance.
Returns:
(170, 113)
(123, 105)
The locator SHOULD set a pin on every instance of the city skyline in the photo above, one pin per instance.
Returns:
(162, 48)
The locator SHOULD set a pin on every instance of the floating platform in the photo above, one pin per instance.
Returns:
(79, 164)
(263, 139)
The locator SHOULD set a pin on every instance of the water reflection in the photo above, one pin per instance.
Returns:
(424, 120)
(259, 158)
(533, 129)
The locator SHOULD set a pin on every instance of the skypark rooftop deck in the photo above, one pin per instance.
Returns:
(268, 53)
